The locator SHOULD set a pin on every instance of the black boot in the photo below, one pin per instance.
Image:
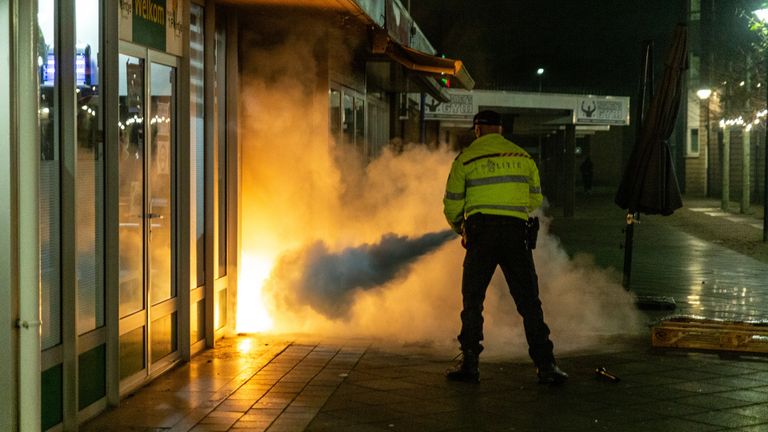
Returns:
(467, 370)
(551, 374)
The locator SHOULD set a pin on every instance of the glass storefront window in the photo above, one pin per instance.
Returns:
(377, 128)
(164, 338)
(197, 321)
(334, 118)
(132, 352)
(197, 143)
(221, 145)
(162, 112)
(220, 313)
(360, 127)
(89, 182)
(693, 142)
(348, 124)
(50, 193)
(131, 188)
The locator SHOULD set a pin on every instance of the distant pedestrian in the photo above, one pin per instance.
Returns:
(492, 187)
(586, 175)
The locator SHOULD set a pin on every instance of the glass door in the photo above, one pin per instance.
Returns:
(148, 296)
(133, 316)
(163, 339)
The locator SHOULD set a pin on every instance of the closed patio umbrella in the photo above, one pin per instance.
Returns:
(649, 184)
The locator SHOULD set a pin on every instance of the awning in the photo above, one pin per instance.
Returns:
(390, 76)
(421, 62)
(433, 88)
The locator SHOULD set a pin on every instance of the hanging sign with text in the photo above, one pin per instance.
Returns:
(461, 106)
(604, 111)
(149, 23)
(154, 24)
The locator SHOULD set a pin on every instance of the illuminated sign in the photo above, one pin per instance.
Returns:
(149, 23)
(602, 110)
(49, 70)
(156, 24)
(82, 68)
(461, 106)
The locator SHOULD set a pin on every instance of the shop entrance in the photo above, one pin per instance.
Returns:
(149, 303)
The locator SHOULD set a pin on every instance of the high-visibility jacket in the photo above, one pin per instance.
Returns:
(491, 176)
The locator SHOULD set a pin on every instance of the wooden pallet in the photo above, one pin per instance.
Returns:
(710, 334)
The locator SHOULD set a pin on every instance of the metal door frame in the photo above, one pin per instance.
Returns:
(145, 316)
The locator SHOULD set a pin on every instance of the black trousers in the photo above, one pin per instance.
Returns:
(501, 241)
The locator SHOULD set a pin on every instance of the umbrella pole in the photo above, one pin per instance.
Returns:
(646, 92)
(629, 232)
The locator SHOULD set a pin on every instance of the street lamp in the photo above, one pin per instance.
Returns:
(704, 93)
(762, 15)
(540, 74)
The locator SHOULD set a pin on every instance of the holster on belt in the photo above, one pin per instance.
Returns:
(532, 232)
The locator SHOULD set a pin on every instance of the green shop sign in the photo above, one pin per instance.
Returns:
(149, 23)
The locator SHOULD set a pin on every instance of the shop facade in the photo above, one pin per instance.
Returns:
(131, 235)
(119, 177)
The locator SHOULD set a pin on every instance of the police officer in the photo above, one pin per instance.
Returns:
(492, 187)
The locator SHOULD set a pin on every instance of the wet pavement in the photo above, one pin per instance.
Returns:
(704, 277)
(296, 383)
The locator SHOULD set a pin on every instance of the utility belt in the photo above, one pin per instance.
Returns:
(531, 226)
(492, 219)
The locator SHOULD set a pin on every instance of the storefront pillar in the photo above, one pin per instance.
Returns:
(9, 289)
(25, 150)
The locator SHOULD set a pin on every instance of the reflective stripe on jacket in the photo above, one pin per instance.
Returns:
(491, 176)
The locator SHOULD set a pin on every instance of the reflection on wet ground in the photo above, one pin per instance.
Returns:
(704, 278)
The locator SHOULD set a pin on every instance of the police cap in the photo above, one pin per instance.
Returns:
(487, 117)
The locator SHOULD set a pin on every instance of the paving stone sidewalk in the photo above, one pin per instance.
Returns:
(298, 383)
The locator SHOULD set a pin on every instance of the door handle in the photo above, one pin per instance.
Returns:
(154, 216)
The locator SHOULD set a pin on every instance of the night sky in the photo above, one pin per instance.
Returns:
(584, 46)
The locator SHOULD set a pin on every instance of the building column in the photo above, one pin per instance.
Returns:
(704, 149)
(8, 289)
(25, 154)
(569, 170)
(745, 170)
(725, 172)
(558, 159)
(233, 170)
(67, 186)
(110, 91)
(210, 112)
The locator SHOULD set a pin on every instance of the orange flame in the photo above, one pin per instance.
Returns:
(252, 313)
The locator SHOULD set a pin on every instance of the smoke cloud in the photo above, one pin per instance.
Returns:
(345, 240)
(327, 281)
